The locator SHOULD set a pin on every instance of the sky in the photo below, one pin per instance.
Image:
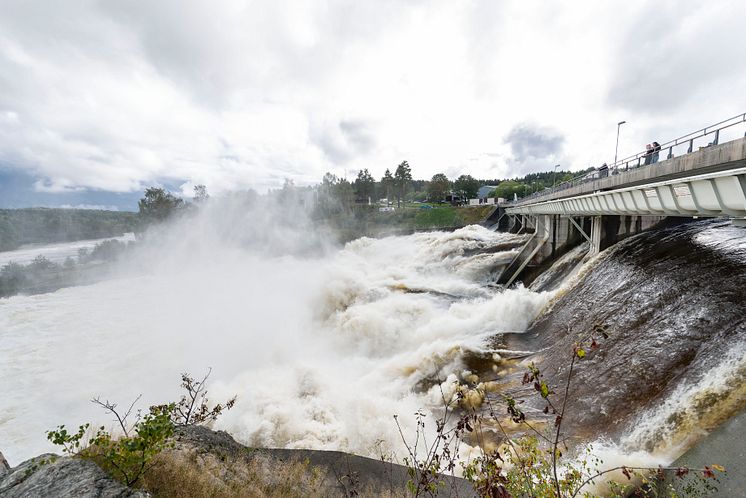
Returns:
(101, 99)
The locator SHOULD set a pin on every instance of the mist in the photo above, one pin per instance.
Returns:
(323, 343)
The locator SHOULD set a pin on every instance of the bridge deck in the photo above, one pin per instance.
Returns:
(711, 159)
(708, 182)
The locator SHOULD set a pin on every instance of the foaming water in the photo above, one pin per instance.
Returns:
(692, 409)
(664, 431)
(322, 351)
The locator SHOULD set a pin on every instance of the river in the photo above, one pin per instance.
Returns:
(322, 348)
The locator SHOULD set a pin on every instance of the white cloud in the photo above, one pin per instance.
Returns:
(118, 94)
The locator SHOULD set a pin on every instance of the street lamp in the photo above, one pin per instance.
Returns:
(616, 151)
(554, 176)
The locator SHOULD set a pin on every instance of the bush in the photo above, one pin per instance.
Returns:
(129, 455)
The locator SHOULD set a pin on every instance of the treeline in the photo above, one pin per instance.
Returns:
(401, 187)
(50, 225)
(43, 275)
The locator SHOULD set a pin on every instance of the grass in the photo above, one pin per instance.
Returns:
(437, 217)
(368, 221)
(194, 473)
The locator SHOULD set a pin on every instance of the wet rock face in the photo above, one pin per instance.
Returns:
(4, 467)
(50, 475)
(671, 301)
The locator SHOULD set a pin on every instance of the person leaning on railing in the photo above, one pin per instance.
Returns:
(656, 152)
(648, 154)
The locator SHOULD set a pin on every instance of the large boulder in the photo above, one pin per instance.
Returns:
(61, 477)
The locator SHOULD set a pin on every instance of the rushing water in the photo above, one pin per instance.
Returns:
(674, 364)
(322, 351)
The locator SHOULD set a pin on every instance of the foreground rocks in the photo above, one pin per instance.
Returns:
(281, 472)
(205, 463)
(53, 476)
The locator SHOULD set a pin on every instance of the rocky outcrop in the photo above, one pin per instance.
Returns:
(204, 463)
(51, 475)
(334, 473)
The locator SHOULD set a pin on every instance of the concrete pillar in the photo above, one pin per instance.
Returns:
(596, 234)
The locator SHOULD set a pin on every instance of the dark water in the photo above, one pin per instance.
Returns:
(672, 303)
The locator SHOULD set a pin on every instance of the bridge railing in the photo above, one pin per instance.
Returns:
(646, 158)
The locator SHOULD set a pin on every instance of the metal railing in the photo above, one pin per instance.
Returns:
(640, 159)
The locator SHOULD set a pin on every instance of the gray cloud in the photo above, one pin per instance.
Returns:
(347, 139)
(531, 143)
(114, 95)
(674, 52)
(358, 134)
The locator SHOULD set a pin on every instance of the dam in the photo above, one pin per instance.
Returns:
(603, 208)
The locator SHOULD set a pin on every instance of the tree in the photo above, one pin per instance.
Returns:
(508, 188)
(8, 235)
(158, 204)
(387, 184)
(402, 177)
(334, 195)
(200, 193)
(439, 187)
(13, 278)
(467, 184)
(344, 194)
(365, 186)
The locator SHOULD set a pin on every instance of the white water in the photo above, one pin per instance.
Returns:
(56, 253)
(321, 351)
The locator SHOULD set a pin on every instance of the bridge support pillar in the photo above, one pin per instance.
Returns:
(596, 234)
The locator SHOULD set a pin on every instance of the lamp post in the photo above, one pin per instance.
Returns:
(616, 151)
(554, 176)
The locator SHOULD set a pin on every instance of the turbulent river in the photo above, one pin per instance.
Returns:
(323, 350)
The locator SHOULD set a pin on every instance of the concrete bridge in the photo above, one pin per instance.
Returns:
(709, 182)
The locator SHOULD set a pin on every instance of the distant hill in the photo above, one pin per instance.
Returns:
(50, 225)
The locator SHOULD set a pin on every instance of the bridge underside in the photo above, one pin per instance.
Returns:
(554, 235)
(714, 194)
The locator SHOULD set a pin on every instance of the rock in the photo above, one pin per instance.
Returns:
(51, 475)
(339, 474)
(4, 467)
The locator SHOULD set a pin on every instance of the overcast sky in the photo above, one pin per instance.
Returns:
(112, 96)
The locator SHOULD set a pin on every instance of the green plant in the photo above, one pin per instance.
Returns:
(129, 455)
(440, 454)
(193, 408)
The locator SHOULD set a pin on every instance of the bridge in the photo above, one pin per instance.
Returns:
(632, 196)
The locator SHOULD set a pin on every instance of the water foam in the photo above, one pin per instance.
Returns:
(322, 351)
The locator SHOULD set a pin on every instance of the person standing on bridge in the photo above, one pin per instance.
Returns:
(603, 171)
(656, 151)
(648, 154)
